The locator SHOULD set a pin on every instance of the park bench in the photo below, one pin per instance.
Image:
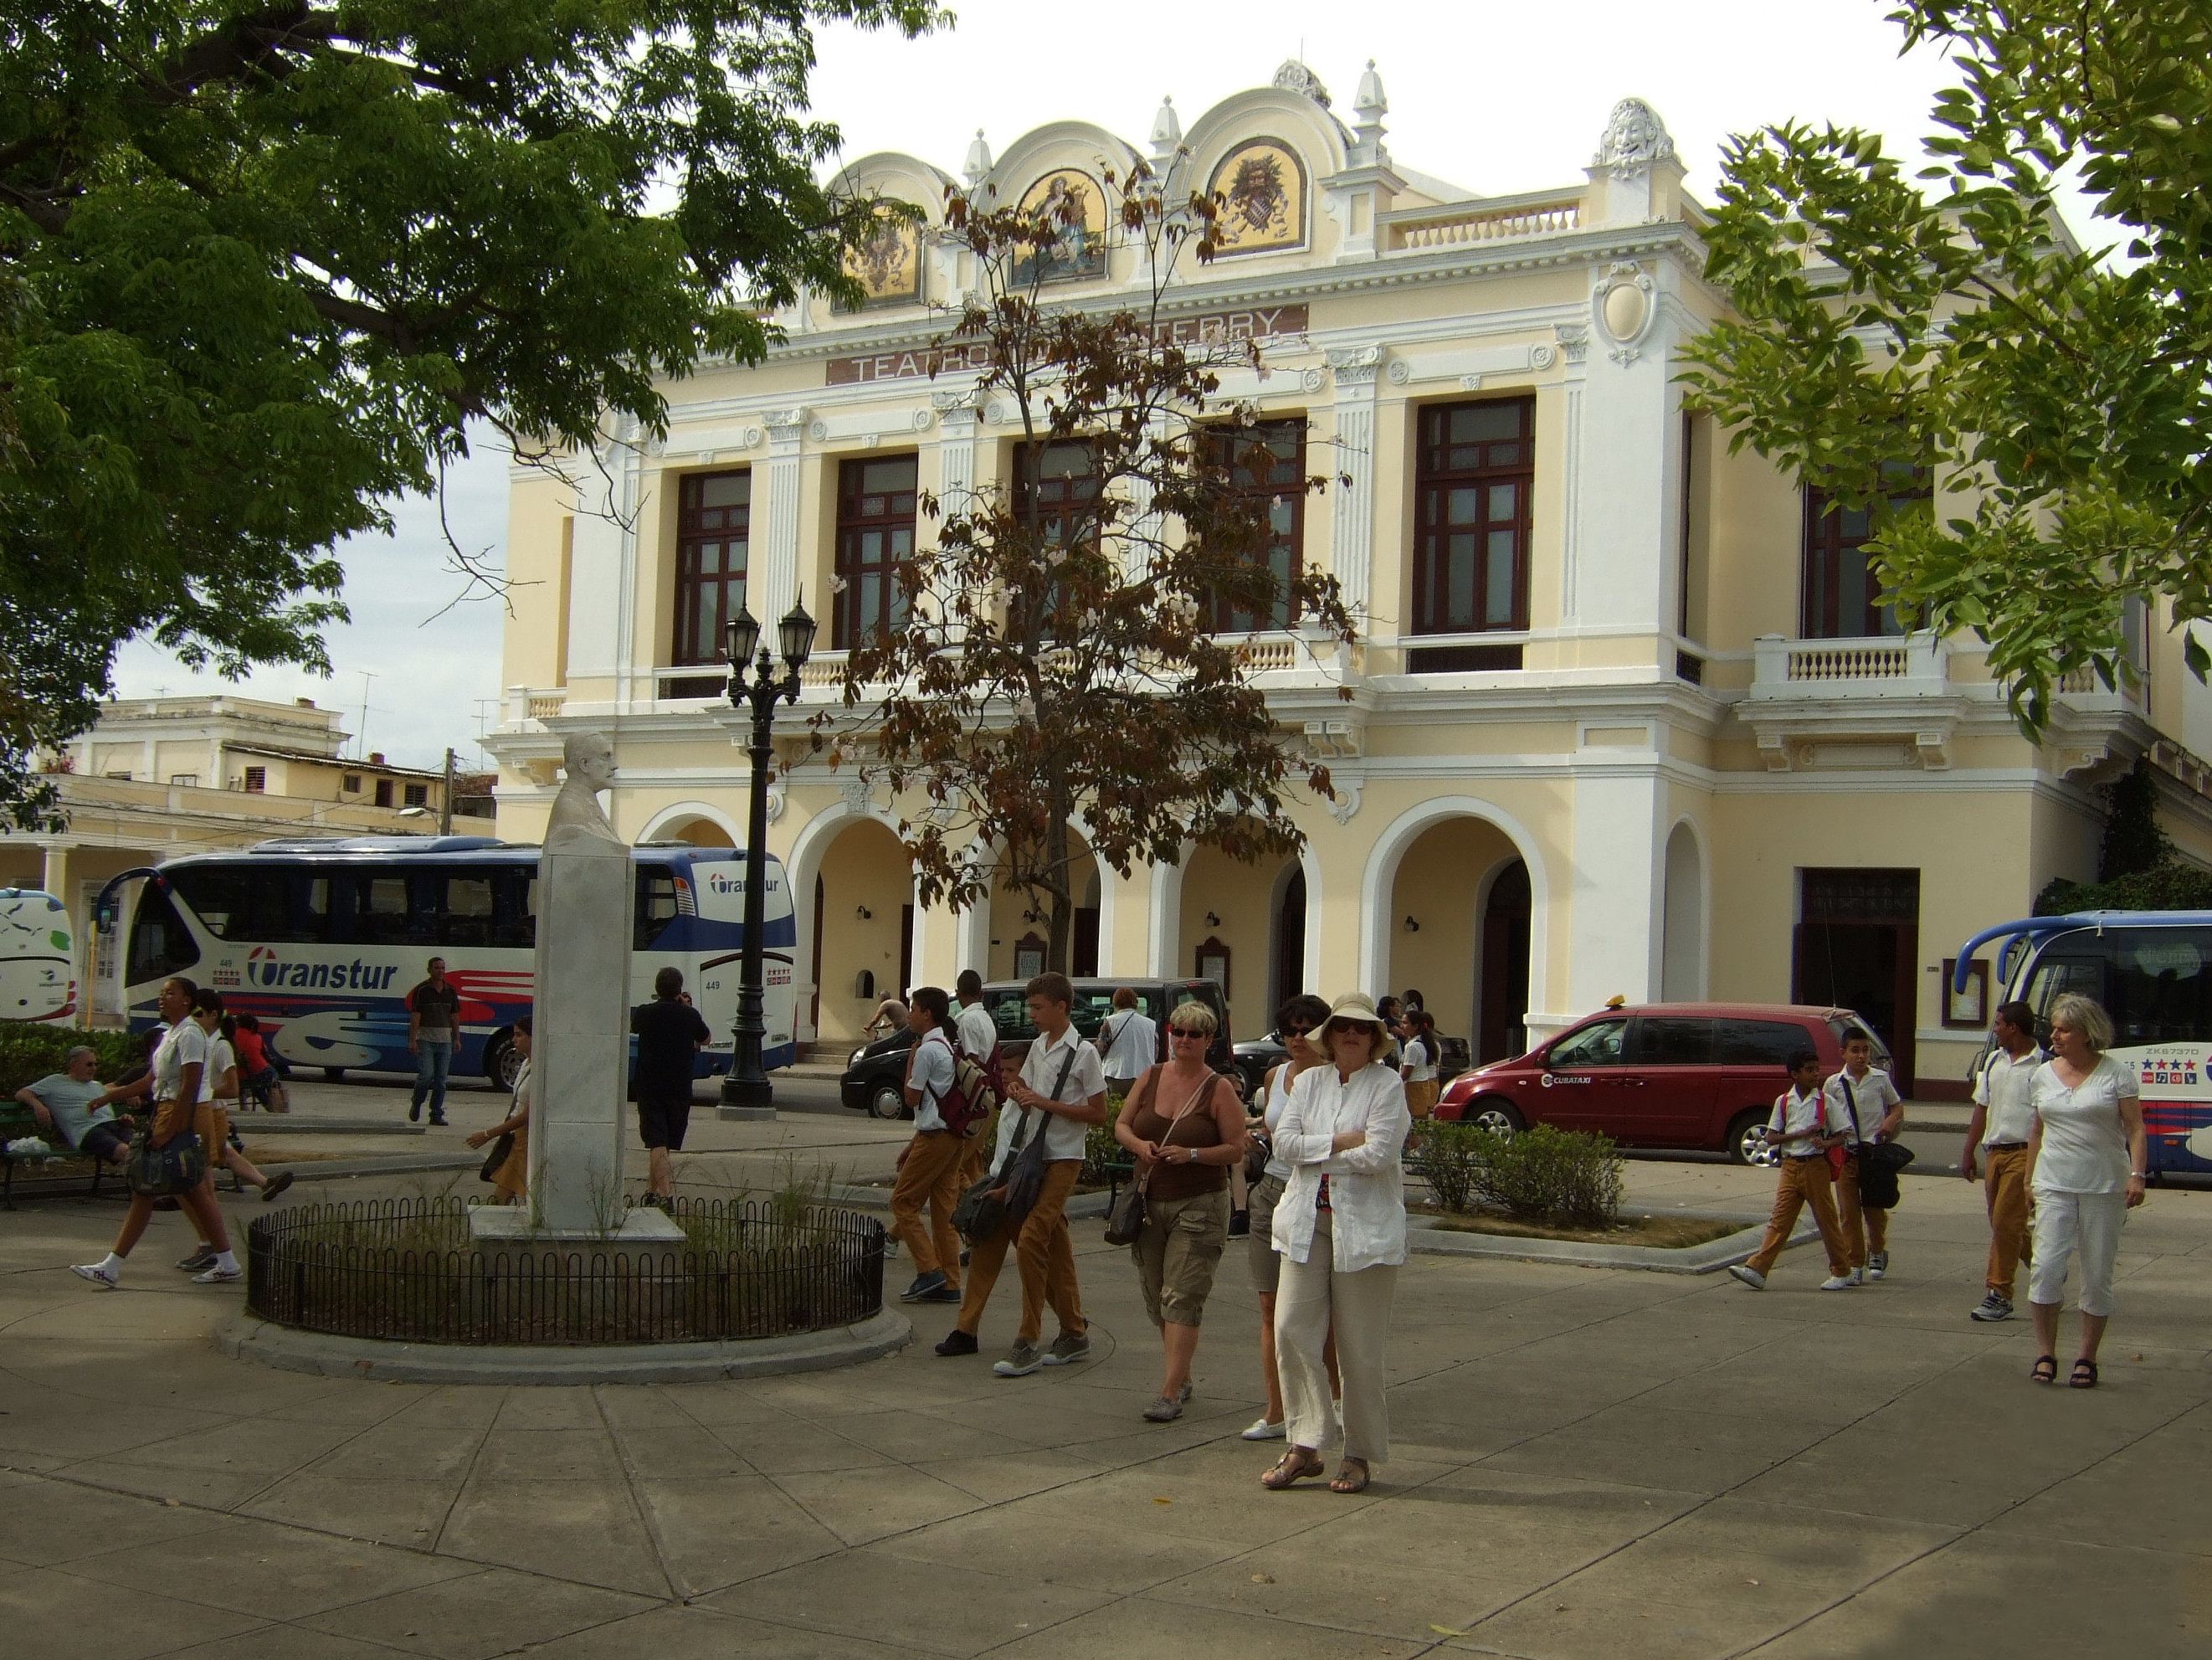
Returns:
(18, 1123)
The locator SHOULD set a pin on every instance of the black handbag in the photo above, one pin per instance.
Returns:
(502, 1149)
(1879, 1162)
(177, 1165)
(1009, 1193)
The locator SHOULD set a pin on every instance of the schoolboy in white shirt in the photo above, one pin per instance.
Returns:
(1803, 1136)
(1865, 1108)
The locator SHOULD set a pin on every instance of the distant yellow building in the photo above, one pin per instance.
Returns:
(1628, 717)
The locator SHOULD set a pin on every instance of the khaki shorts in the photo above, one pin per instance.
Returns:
(1267, 1262)
(1177, 1253)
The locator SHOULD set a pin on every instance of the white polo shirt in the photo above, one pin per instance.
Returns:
(1085, 1078)
(2005, 1089)
(929, 1069)
(979, 1034)
(1856, 1106)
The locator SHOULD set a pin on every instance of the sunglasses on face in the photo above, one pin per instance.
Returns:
(1187, 1032)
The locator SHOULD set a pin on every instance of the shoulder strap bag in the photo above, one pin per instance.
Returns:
(1126, 1221)
(1009, 1193)
(176, 1166)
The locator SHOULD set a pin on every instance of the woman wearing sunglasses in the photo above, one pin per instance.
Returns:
(1340, 1225)
(1296, 1024)
(1186, 1127)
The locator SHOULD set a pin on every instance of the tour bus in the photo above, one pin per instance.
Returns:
(2152, 972)
(323, 940)
(38, 958)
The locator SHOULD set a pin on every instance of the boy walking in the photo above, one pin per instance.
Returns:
(929, 1169)
(979, 1042)
(1060, 1093)
(1800, 1130)
(1866, 1108)
(2004, 1121)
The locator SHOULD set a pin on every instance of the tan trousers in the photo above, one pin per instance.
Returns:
(1043, 1253)
(976, 1149)
(2004, 1187)
(1865, 1229)
(1804, 1183)
(1421, 1098)
(931, 1176)
(1311, 1295)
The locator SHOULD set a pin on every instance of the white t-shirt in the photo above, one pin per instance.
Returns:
(979, 1034)
(1873, 1096)
(1420, 1066)
(184, 1045)
(1796, 1121)
(220, 1059)
(930, 1071)
(2005, 1087)
(2085, 1145)
(1087, 1077)
(1133, 1043)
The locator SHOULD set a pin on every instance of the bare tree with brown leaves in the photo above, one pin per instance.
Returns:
(1067, 655)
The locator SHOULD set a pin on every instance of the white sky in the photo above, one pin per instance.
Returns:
(1494, 98)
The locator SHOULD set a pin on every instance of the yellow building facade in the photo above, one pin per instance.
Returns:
(1625, 719)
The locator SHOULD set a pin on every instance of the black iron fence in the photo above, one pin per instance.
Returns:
(408, 1270)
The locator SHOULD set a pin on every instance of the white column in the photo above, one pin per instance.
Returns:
(772, 581)
(597, 563)
(1617, 885)
(1352, 526)
(958, 424)
(1620, 570)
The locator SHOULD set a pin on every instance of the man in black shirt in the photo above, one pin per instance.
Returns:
(670, 1034)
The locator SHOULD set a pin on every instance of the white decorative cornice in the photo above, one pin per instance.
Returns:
(1356, 365)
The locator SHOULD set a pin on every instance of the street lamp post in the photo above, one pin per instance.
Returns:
(755, 682)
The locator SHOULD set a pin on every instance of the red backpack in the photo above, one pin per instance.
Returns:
(974, 1093)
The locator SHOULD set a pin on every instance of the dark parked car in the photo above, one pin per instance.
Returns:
(1661, 1075)
(876, 1075)
(1259, 1056)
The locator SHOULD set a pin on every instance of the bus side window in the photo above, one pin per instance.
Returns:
(464, 909)
(514, 907)
(656, 905)
(307, 909)
(379, 911)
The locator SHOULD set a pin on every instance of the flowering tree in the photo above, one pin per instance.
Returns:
(1074, 647)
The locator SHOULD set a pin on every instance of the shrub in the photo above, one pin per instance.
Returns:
(1455, 1160)
(1099, 1147)
(1566, 1178)
(31, 1049)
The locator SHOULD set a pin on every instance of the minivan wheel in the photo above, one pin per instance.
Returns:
(503, 1063)
(1745, 1146)
(1488, 1112)
(887, 1101)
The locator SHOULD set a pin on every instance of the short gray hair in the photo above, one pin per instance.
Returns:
(2087, 1017)
(69, 1060)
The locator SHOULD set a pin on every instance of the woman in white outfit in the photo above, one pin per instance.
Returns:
(2086, 1158)
(1340, 1226)
(1299, 1025)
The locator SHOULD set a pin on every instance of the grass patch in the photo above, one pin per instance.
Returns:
(1658, 1232)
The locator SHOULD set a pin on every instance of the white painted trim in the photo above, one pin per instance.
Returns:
(801, 867)
(684, 810)
(1704, 968)
(1381, 876)
(1166, 921)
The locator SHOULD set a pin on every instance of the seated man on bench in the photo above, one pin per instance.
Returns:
(72, 1105)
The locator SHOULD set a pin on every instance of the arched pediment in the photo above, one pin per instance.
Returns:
(1057, 144)
(890, 266)
(1290, 119)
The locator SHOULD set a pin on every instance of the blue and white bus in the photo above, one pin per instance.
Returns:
(2152, 972)
(323, 940)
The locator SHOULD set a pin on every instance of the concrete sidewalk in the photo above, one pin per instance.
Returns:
(1586, 1463)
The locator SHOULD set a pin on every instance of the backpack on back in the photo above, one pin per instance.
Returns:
(973, 1096)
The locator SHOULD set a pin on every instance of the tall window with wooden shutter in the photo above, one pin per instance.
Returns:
(876, 501)
(1475, 473)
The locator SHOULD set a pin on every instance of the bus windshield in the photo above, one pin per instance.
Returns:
(2156, 983)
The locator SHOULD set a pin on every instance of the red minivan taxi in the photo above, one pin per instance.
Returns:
(1701, 1075)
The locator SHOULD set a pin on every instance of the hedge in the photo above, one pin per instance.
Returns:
(1560, 1178)
(29, 1051)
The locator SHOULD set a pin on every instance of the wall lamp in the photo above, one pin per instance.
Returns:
(1412, 926)
(1211, 921)
(864, 913)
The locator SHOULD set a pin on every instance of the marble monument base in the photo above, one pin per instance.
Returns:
(509, 1225)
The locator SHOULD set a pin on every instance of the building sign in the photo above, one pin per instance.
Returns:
(1213, 328)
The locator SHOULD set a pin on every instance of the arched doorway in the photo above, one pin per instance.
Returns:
(862, 926)
(1682, 942)
(1508, 911)
(1288, 978)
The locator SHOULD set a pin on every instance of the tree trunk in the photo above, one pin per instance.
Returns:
(1060, 941)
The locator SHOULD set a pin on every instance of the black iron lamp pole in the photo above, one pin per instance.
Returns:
(754, 682)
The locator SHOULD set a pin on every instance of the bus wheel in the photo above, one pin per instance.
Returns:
(502, 1062)
(335, 1074)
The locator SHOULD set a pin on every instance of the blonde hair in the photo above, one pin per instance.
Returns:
(2087, 1018)
(1194, 1016)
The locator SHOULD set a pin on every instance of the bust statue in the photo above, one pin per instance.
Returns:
(588, 762)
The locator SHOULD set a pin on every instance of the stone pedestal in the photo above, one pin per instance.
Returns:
(579, 1059)
(496, 1225)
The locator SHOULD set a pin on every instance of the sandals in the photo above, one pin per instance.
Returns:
(2044, 1371)
(1294, 1466)
(2083, 1377)
(1352, 1475)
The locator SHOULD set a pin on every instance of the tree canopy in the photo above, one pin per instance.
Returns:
(261, 265)
(1948, 320)
(1070, 652)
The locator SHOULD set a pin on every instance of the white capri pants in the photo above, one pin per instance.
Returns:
(2065, 1223)
(1309, 1297)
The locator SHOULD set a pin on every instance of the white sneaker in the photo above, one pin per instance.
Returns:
(218, 1276)
(1858, 1276)
(1261, 1430)
(1751, 1277)
(1877, 1265)
(91, 1271)
(1839, 1282)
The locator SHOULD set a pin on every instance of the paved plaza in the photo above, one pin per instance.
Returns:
(1599, 1462)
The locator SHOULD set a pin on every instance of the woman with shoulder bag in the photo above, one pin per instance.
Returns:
(2088, 1163)
(1340, 1226)
(1296, 1022)
(170, 1157)
(510, 1177)
(1186, 1127)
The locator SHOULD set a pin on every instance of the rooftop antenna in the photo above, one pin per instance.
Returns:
(361, 738)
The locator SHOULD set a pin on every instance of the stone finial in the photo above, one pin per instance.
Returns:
(1367, 109)
(979, 161)
(1295, 76)
(1634, 139)
(1371, 102)
(1167, 130)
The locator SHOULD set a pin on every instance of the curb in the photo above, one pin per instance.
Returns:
(372, 1359)
(1424, 1238)
(1079, 1206)
(335, 1169)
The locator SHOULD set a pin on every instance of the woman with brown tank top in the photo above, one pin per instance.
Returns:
(1186, 1127)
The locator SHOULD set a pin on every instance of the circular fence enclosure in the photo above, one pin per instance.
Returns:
(407, 1270)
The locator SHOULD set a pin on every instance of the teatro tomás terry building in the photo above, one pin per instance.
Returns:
(1628, 717)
